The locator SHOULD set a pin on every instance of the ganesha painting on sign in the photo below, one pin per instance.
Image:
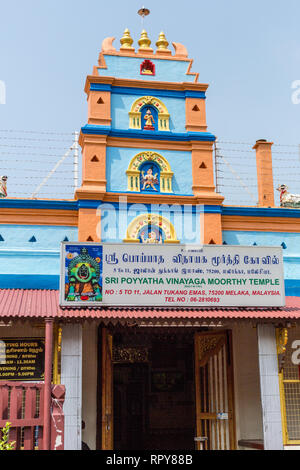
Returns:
(83, 274)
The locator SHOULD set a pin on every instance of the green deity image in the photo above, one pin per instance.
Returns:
(83, 274)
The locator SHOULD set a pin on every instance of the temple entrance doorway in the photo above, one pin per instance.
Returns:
(154, 394)
(164, 387)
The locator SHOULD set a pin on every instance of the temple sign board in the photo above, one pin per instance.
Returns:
(133, 274)
(22, 359)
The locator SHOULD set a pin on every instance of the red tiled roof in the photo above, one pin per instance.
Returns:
(19, 303)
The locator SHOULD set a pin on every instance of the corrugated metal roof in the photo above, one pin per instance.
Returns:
(20, 303)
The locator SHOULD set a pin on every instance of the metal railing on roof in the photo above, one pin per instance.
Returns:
(236, 173)
(40, 164)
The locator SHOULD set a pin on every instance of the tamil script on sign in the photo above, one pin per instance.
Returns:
(171, 275)
(22, 359)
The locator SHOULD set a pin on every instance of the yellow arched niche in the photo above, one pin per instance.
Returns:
(133, 173)
(144, 220)
(135, 113)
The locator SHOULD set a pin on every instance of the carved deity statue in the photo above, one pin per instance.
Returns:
(152, 238)
(287, 199)
(3, 189)
(149, 179)
(149, 124)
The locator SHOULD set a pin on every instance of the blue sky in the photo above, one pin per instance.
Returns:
(248, 51)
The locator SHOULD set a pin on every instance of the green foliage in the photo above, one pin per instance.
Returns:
(4, 443)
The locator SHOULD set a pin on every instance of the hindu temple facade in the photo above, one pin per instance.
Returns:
(148, 377)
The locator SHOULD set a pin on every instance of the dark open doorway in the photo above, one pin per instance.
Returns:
(154, 394)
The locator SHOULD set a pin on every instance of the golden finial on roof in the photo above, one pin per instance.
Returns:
(162, 44)
(126, 41)
(144, 41)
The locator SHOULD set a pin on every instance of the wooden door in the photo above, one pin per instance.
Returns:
(107, 391)
(214, 391)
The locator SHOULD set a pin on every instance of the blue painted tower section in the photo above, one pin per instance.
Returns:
(30, 255)
(118, 159)
(129, 68)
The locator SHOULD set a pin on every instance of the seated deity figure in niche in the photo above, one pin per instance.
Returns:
(149, 180)
(148, 68)
(152, 237)
(149, 124)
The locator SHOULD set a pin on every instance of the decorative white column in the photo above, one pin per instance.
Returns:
(269, 387)
(71, 377)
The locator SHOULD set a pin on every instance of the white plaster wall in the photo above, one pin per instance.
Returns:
(269, 385)
(246, 380)
(89, 383)
(71, 377)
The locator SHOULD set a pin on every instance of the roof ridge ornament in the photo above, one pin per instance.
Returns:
(162, 44)
(144, 42)
(107, 45)
(180, 50)
(126, 41)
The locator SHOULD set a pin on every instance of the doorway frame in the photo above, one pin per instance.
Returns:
(101, 385)
(227, 335)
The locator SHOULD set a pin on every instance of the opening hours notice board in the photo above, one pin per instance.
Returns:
(22, 359)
